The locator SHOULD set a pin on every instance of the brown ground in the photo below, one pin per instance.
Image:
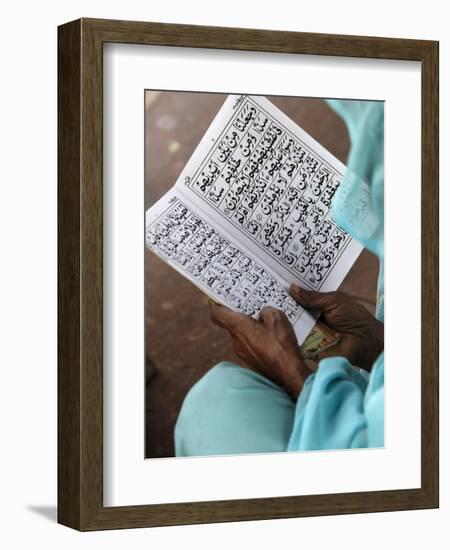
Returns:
(181, 342)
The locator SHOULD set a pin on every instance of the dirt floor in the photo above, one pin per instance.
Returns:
(181, 342)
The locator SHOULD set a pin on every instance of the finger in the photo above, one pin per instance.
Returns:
(333, 351)
(225, 317)
(270, 315)
(313, 300)
(310, 364)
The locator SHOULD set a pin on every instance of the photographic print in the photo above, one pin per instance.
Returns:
(258, 209)
(224, 244)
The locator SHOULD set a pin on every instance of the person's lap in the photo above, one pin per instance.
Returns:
(232, 410)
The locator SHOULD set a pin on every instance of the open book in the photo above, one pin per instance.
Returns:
(251, 213)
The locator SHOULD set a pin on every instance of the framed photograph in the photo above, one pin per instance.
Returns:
(248, 274)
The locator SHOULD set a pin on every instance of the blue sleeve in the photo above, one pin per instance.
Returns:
(340, 407)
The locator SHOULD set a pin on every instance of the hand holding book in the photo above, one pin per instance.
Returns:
(360, 335)
(269, 346)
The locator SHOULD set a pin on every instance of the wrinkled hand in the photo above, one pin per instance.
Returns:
(362, 335)
(267, 345)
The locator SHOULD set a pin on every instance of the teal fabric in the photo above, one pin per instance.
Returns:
(233, 410)
(358, 205)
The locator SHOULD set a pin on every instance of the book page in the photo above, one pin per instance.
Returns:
(267, 181)
(208, 256)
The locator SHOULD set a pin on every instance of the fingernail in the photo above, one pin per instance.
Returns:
(294, 287)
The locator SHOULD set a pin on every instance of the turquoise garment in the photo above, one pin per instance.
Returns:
(232, 410)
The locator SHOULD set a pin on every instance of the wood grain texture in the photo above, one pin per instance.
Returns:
(69, 245)
(80, 265)
(430, 273)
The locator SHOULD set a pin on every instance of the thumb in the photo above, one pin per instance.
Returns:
(311, 299)
(225, 317)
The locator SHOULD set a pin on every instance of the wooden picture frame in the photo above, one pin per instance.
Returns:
(80, 271)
